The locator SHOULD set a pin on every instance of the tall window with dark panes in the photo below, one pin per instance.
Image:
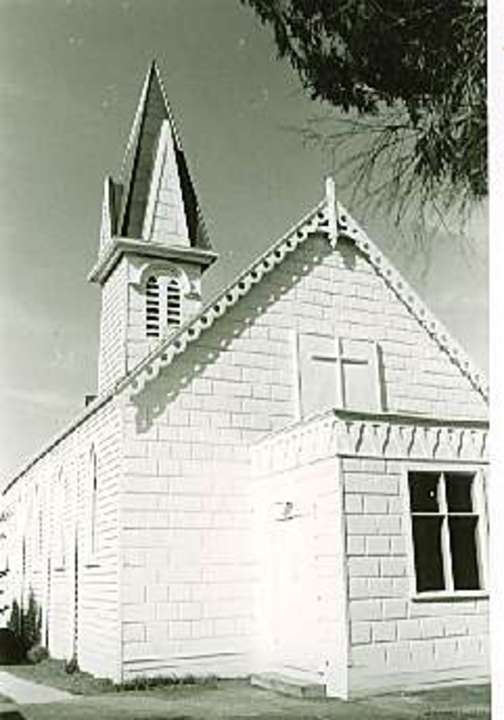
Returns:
(446, 520)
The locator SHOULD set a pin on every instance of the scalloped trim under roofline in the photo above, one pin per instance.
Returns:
(350, 229)
(325, 218)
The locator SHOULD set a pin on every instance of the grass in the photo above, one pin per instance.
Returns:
(52, 672)
(170, 682)
(236, 700)
(208, 698)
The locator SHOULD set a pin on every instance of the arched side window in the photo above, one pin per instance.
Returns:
(61, 511)
(39, 524)
(93, 472)
(173, 303)
(152, 315)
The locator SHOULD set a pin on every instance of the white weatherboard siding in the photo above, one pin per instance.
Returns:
(189, 562)
(98, 579)
(341, 480)
(300, 597)
(396, 639)
(113, 318)
(236, 499)
(179, 583)
(133, 306)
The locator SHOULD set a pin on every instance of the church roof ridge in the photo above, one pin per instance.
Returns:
(300, 230)
(81, 417)
(315, 220)
(319, 219)
(350, 228)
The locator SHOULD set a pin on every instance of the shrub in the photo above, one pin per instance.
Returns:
(36, 654)
(71, 666)
(11, 650)
(14, 623)
(32, 622)
(26, 624)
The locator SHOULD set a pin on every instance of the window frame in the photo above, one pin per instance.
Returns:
(93, 508)
(152, 308)
(36, 521)
(372, 361)
(480, 510)
(60, 520)
(172, 317)
(166, 283)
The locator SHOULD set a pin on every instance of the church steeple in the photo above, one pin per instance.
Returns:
(152, 237)
(156, 181)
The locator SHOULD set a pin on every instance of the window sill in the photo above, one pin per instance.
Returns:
(450, 595)
(91, 564)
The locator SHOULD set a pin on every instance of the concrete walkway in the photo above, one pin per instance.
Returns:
(24, 692)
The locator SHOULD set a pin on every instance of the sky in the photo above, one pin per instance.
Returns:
(70, 76)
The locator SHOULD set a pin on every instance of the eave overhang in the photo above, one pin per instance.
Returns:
(119, 246)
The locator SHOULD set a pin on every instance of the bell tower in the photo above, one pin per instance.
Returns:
(153, 243)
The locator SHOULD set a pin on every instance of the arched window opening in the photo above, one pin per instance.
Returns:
(173, 311)
(152, 307)
(60, 520)
(94, 501)
(39, 515)
(64, 516)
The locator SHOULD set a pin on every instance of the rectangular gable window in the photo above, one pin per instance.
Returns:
(447, 527)
(360, 380)
(318, 374)
(337, 373)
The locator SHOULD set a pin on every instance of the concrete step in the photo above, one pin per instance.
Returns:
(288, 685)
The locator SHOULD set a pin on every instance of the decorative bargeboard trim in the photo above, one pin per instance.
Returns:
(317, 221)
(349, 228)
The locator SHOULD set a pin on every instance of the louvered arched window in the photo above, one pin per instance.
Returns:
(163, 305)
(173, 310)
(152, 307)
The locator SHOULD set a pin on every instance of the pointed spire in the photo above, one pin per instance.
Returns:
(159, 201)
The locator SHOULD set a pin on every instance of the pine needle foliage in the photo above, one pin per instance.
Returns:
(410, 77)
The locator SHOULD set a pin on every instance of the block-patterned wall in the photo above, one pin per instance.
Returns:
(112, 350)
(188, 559)
(393, 636)
(137, 345)
(300, 596)
(49, 567)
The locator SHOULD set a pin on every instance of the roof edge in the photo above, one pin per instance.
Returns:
(91, 409)
(349, 228)
(113, 251)
(318, 219)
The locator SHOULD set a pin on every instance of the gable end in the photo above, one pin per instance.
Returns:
(317, 221)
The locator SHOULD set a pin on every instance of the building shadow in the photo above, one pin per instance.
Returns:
(153, 400)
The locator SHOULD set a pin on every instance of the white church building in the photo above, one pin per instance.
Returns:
(290, 478)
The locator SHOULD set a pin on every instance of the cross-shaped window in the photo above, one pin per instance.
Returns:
(337, 373)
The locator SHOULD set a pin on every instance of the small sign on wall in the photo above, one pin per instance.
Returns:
(285, 510)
